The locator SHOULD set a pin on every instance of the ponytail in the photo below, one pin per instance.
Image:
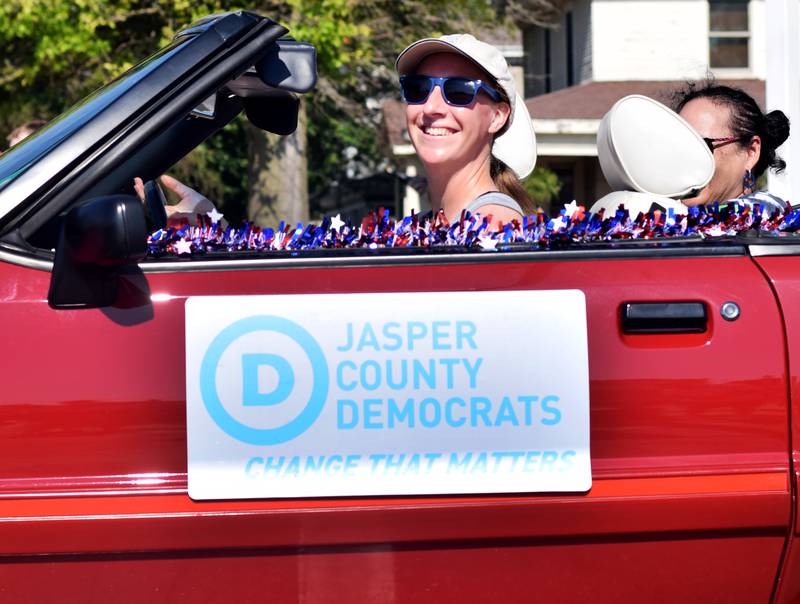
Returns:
(507, 183)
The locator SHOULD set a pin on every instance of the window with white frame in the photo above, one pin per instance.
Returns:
(729, 34)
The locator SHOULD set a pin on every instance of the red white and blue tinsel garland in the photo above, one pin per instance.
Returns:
(573, 225)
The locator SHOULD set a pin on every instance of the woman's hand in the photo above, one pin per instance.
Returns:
(190, 202)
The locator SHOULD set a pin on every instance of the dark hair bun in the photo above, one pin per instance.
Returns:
(776, 126)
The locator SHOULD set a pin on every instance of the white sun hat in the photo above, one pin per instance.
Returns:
(516, 147)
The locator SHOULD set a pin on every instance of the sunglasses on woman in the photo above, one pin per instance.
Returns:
(458, 92)
(716, 143)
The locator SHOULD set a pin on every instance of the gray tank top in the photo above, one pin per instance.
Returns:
(494, 198)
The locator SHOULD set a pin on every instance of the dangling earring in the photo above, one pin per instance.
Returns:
(748, 182)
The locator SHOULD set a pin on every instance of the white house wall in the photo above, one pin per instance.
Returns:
(758, 39)
(649, 40)
(566, 137)
(783, 91)
(663, 40)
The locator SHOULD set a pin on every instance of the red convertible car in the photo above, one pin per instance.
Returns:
(630, 409)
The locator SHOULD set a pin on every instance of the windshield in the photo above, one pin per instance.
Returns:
(28, 152)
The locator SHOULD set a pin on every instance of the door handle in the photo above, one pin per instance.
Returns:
(663, 317)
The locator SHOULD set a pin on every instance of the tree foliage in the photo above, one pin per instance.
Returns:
(543, 186)
(542, 13)
(57, 51)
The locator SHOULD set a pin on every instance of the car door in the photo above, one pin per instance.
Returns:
(688, 404)
(778, 261)
(690, 497)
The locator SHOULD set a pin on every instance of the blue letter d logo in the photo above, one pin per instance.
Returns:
(251, 393)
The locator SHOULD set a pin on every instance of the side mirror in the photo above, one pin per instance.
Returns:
(268, 88)
(289, 65)
(99, 240)
(278, 115)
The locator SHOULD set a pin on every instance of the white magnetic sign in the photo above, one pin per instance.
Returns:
(387, 394)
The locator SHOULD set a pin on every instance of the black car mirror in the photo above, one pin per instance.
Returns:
(289, 65)
(278, 114)
(268, 89)
(98, 240)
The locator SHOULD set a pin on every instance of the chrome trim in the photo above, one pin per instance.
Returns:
(26, 261)
(774, 250)
(250, 263)
(422, 259)
(21, 258)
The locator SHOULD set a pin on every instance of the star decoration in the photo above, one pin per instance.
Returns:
(570, 208)
(487, 244)
(337, 222)
(214, 215)
(559, 223)
(183, 246)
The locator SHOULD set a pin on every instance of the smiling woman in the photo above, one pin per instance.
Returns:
(470, 128)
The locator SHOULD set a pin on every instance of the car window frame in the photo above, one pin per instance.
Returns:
(205, 61)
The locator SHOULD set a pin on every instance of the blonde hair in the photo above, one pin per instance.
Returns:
(507, 183)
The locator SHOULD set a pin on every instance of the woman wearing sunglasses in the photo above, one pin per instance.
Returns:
(470, 128)
(742, 138)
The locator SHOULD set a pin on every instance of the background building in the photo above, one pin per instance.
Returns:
(600, 51)
(603, 50)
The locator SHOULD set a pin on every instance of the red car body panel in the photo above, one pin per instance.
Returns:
(782, 273)
(692, 480)
(494, 571)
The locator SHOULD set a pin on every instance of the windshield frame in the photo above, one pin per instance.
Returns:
(16, 162)
(200, 61)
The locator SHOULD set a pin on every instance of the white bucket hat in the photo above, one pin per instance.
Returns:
(516, 147)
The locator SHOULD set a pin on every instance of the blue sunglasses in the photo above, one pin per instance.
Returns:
(458, 92)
